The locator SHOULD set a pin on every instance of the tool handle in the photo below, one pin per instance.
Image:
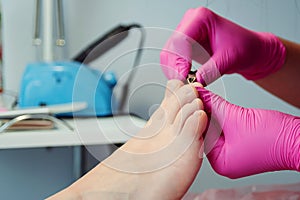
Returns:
(107, 41)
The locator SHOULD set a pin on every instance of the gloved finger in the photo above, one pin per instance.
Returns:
(207, 98)
(216, 108)
(209, 71)
(214, 105)
(189, 41)
(175, 58)
(214, 140)
(194, 24)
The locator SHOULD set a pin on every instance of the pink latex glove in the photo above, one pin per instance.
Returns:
(242, 141)
(233, 49)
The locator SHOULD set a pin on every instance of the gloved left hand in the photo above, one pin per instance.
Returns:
(244, 141)
(222, 46)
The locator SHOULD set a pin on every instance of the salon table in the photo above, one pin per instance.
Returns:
(80, 132)
(84, 131)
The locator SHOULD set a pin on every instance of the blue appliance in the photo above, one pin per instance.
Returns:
(51, 83)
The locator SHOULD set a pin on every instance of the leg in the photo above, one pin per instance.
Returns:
(161, 161)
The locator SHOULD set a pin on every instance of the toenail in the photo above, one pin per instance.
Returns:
(196, 84)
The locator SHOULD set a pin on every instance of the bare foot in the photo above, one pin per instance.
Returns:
(161, 162)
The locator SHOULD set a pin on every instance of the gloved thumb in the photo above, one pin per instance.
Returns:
(209, 71)
(215, 106)
(214, 139)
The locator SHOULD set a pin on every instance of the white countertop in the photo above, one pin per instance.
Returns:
(87, 131)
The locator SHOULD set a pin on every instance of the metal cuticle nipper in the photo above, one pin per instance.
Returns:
(191, 77)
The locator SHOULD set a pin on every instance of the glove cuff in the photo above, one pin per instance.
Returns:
(294, 155)
(275, 53)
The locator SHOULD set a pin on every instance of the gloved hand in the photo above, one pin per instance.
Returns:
(233, 49)
(243, 141)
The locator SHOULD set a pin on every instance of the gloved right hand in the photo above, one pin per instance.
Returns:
(233, 49)
(245, 141)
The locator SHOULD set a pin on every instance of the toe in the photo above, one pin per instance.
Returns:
(195, 124)
(185, 112)
(172, 104)
(172, 86)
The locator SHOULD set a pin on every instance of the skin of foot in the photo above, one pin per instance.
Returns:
(160, 162)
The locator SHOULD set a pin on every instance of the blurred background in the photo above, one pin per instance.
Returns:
(39, 172)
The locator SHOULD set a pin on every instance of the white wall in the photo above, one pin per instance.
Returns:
(86, 20)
